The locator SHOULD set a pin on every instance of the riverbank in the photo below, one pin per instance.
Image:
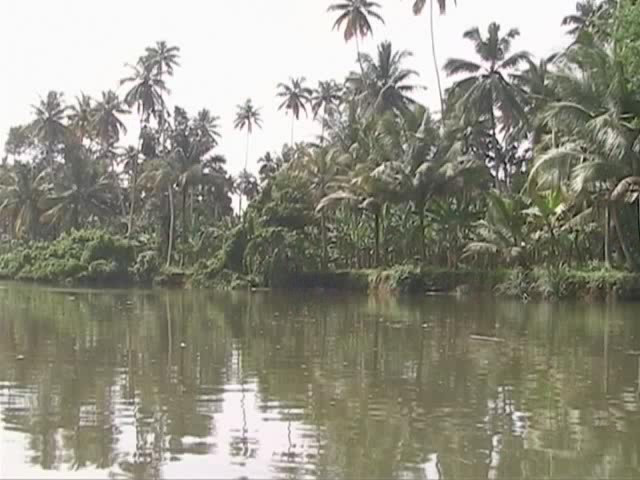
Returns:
(93, 258)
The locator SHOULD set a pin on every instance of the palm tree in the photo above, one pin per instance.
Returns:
(48, 127)
(247, 116)
(326, 98)
(247, 186)
(354, 15)
(146, 92)
(486, 90)
(320, 167)
(84, 191)
(418, 7)
(21, 190)
(599, 153)
(105, 120)
(80, 117)
(295, 97)
(162, 58)
(108, 126)
(160, 176)
(206, 129)
(385, 86)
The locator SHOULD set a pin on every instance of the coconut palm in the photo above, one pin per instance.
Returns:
(161, 58)
(83, 191)
(600, 151)
(247, 117)
(159, 177)
(353, 16)
(326, 98)
(206, 128)
(246, 186)
(487, 91)
(295, 98)
(146, 92)
(21, 189)
(106, 121)
(80, 117)
(418, 7)
(49, 127)
(384, 86)
(320, 168)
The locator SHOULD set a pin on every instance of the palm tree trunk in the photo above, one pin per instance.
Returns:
(364, 78)
(323, 227)
(293, 122)
(494, 142)
(607, 239)
(377, 239)
(423, 252)
(435, 65)
(628, 255)
(184, 219)
(246, 155)
(171, 226)
(132, 207)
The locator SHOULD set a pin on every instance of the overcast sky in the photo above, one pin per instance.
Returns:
(231, 50)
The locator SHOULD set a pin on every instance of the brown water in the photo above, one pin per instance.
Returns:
(115, 384)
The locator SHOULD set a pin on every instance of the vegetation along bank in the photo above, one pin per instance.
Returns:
(526, 182)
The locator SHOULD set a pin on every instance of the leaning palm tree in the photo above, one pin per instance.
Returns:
(247, 117)
(354, 15)
(326, 98)
(418, 7)
(486, 90)
(385, 86)
(295, 98)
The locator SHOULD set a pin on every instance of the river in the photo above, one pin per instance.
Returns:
(195, 384)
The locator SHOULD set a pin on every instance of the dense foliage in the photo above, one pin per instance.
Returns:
(532, 165)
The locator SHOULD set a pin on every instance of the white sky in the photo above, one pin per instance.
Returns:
(231, 50)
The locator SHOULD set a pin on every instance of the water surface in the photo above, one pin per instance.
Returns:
(158, 384)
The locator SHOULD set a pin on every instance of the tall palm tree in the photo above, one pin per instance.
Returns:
(247, 117)
(486, 90)
(146, 94)
(384, 86)
(418, 7)
(80, 117)
(295, 98)
(326, 98)
(160, 176)
(108, 126)
(131, 162)
(49, 125)
(354, 15)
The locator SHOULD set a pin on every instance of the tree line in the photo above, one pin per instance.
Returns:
(529, 162)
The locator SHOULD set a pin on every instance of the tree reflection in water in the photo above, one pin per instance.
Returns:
(166, 384)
